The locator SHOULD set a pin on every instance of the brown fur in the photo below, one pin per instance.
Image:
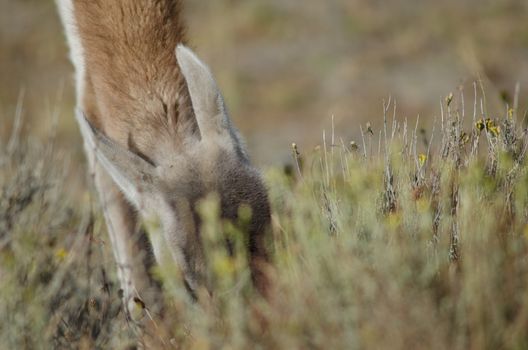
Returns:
(132, 77)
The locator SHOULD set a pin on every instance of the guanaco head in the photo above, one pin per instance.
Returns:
(213, 161)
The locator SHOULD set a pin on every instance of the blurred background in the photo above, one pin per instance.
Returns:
(286, 67)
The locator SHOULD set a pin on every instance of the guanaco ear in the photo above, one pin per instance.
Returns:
(131, 173)
(207, 101)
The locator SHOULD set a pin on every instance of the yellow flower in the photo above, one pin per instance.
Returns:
(224, 266)
(494, 130)
(480, 124)
(61, 254)
(422, 158)
(489, 123)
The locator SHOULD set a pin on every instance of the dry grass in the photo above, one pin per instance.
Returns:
(406, 238)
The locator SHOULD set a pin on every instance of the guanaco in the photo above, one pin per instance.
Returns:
(158, 138)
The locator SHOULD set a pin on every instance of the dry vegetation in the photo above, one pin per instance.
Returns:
(398, 233)
(376, 245)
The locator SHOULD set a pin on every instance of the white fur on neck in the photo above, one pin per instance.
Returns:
(67, 14)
